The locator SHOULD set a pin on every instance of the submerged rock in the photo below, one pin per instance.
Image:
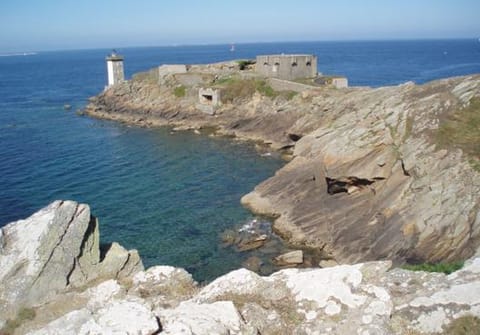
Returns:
(289, 258)
(252, 242)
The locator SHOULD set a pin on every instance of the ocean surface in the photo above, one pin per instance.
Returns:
(169, 195)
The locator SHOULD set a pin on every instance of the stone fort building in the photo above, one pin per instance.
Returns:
(287, 67)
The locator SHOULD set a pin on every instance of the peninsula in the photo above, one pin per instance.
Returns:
(373, 173)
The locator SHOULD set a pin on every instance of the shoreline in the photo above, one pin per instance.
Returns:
(373, 144)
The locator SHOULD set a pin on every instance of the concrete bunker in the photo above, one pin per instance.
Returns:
(208, 99)
(287, 67)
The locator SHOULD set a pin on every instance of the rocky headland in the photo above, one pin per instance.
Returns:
(55, 278)
(373, 173)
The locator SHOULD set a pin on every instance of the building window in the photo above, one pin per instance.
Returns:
(309, 63)
(275, 67)
(265, 64)
(294, 64)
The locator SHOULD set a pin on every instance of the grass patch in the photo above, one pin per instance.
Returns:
(465, 325)
(23, 315)
(263, 88)
(225, 80)
(289, 95)
(446, 268)
(462, 130)
(180, 91)
(234, 88)
(237, 88)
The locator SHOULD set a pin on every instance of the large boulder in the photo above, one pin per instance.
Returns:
(55, 249)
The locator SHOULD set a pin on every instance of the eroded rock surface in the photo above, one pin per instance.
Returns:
(365, 298)
(55, 249)
(367, 179)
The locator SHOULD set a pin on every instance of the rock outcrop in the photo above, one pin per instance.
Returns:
(367, 179)
(55, 250)
(365, 298)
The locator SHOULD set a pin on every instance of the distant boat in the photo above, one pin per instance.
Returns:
(232, 47)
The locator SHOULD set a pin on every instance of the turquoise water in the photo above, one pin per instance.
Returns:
(169, 195)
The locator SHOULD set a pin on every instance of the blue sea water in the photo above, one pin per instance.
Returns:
(169, 195)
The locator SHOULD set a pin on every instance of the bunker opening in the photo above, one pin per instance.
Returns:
(207, 99)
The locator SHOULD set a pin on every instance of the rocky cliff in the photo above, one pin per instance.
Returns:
(53, 282)
(54, 251)
(374, 173)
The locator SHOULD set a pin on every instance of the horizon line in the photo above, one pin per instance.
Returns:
(195, 44)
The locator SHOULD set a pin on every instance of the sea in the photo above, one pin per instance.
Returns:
(170, 195)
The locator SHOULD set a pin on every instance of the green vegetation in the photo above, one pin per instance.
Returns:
(462, 130)
(446, 268)
(263, 88)
(465, 325)
(243, 63)
(237, 88)
(180, 91)
(225, 80)
(24, 314)
(289, 95)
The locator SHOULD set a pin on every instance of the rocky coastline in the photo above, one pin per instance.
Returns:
(368, 176)
(55, 278)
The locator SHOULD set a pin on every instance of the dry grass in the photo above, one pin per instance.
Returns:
(23, 315)
(150, 76)
(465, 325)
(462, 130)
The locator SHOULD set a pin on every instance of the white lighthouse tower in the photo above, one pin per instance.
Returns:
(115, 68)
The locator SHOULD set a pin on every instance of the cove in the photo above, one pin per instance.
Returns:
(169, 195)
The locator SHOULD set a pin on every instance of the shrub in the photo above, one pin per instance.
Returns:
(243, 63)
(180, 91)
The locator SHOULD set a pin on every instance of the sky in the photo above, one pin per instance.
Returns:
(36, 25)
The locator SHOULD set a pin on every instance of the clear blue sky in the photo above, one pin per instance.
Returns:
(74, 24)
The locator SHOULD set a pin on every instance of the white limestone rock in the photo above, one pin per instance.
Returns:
(163, 285)
(190, 318)
(53, 251)
(116, 317)
(37, 254)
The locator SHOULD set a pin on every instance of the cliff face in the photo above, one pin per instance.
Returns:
(368, 179)
(374, 184)
(40, 255)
